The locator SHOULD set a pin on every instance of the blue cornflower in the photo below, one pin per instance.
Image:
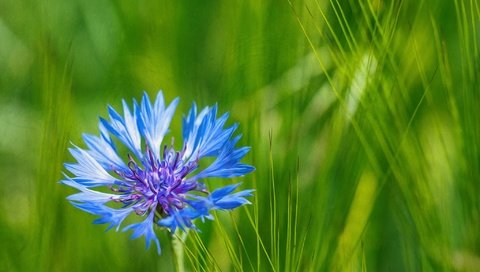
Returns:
(157, 183)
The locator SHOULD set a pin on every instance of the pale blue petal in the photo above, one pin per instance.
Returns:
(131, 127)
(105, 136)
(153, 122)
(196, 130)
(125, 130)
(88, 170)
(87, 195)
(205, 136)
(103, 152)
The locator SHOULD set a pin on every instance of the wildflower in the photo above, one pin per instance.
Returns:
(159, 184)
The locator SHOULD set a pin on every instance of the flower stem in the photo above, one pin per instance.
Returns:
(178, 241)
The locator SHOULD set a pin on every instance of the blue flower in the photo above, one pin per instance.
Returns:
(157, 184)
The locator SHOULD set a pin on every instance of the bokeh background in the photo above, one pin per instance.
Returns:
(363, 118)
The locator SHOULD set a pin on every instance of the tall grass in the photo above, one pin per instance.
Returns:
(363, 118)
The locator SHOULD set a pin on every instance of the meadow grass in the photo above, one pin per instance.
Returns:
(363, 118)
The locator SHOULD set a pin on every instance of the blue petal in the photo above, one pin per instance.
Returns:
(87, 195)
(201, 207)
(204, 134)
(125, 129)
(107, 215)
(131, 126)
(105, 136)
(188, 122)
(233, 201)
(227, 164)
(153, 122)
(168, 222)
(103, 152)
(87, 170)
(220, 199)
(180, 219)
(145, 228)
(223, 199)
(222, 192)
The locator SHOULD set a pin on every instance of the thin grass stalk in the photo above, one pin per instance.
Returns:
(178, 242)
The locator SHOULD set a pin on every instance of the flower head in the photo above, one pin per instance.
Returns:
(155, 182)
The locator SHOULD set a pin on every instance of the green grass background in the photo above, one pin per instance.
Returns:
(363, 118)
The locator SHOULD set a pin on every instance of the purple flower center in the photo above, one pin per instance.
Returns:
(161, 185)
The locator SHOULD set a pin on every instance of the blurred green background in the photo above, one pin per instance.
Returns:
(363, 118)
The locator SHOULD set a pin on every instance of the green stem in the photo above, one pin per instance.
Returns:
(178, 241)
